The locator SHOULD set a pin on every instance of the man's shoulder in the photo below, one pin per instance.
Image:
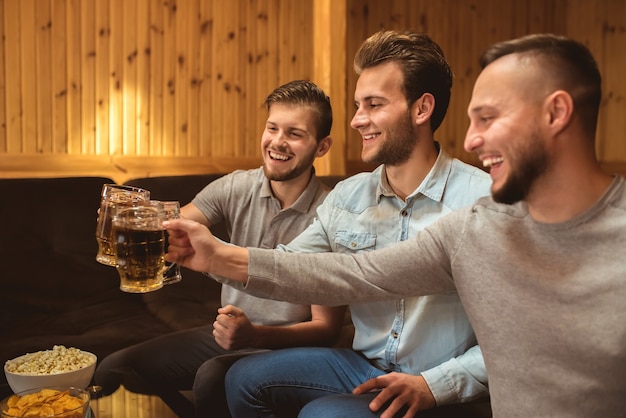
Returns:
(359, 183)
(465, 169)
(355, 192)
(244, 177)
(471, 177)
(254, 173)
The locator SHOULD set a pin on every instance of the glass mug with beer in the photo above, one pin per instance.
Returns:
(113, 197)
(139, 240)
(172, 273)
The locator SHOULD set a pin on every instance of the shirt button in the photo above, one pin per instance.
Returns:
(395, 335)
(404, 213)
(353, 244)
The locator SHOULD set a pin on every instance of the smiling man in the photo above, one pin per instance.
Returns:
(538, 266)
(263, 208)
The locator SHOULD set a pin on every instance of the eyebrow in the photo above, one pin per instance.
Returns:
(479, 108)
(291, 128)
(370, 98)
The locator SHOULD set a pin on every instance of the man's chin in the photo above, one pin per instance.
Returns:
(507, 195)
(276, 175)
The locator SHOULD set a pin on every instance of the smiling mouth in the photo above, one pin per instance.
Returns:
(277, 156)
(490, 162)
(370, 136)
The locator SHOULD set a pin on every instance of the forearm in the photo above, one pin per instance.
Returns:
(322, 330)
(304, 334)
(231, 262)
(336, 278)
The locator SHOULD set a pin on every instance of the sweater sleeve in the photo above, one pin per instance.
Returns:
(418, 266)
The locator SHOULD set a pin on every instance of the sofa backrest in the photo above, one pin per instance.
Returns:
(50, 245)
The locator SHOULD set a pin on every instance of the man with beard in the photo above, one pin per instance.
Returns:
(538, 265)
(262, 207)
(423, 344)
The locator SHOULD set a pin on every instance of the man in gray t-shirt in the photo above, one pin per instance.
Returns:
(263, 207)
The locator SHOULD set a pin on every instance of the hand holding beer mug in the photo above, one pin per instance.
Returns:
(114, 196)
(139, 246)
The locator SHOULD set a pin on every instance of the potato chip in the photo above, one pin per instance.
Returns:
(46, 402)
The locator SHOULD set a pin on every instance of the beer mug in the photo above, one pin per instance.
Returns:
(113, 196)
(139, 246)
(171, 274)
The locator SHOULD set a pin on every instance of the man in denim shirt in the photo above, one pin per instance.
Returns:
(415, 353)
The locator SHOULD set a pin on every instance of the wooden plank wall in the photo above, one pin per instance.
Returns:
(463, 28)
(129, 88)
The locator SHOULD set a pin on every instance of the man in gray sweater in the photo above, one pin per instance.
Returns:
(537, 265)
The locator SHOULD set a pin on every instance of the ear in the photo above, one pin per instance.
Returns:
(559, 107)
(423, 108)
(323, 146)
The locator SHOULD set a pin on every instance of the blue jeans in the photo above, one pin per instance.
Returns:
(280, 383)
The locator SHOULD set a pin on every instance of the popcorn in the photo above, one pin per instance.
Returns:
(58, 360)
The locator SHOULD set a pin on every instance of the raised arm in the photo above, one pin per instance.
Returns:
(419, 268)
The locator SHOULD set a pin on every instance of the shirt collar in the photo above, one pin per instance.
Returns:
(433, 184)
(304, 201)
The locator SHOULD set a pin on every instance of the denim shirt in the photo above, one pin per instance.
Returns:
(428, 335)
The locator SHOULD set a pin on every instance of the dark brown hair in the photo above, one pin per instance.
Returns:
(421, 60)
(305, 93)
(568, 65)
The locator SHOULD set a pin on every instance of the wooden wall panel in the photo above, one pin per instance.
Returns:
(143, 87)
(603, 28)
(154, 87)
(329, 52)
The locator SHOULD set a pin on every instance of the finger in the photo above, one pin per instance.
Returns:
(178, 254)
(181, 239)
(186, 226)
(412, 411)
(226, 310)
(171, 257)
(380, 399)
(226, 321)
(231, 310)
(368, 386)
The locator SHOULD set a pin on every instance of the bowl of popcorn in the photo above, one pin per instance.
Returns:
(61, 366)
(50, 402)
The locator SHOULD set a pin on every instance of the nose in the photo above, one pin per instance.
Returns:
(279, 138)
(359, 119)
(473, 139)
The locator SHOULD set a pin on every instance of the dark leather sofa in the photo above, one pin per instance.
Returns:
(52, 290)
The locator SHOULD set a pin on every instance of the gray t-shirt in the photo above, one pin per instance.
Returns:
(546, 300)
(254, 218)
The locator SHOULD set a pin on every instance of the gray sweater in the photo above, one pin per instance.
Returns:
(547, 301)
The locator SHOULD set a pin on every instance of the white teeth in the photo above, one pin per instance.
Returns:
(370, 136)
(278, 156)
(488, 162)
